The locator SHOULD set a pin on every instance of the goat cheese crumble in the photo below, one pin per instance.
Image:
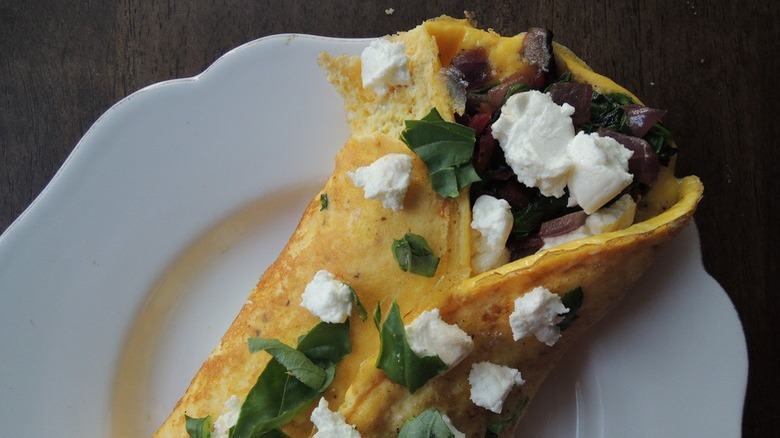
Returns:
(331, 424)
(386, 179)
(536, 313)
(327, 298)
(384, 64)
(534, 133)
(538, 140)
(428, 335)
(492, 220)
(491, 383)
(599, 170)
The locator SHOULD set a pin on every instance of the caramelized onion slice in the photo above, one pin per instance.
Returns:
(643, 164)
(474, 66)
(575, 94)
(537, 48)
(563, 224)
(642, 118)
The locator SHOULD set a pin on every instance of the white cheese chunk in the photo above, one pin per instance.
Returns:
(491, 219)
(331, 424)
(228, 419)
(491, 383)
(534, 133)
(327, 298)
(384, 64)
(538, 140)
(551, 241)
(536, 313)
(386, 179)
(600, 170)
(428, 335)
(618, 216)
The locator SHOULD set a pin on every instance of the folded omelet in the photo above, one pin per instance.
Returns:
(351, 236)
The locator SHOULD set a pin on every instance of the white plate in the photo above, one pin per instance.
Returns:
(122, 275)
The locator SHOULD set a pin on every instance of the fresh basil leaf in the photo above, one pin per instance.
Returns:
(396, 358)
(466, 173)
(429, 424)
(441, 155)
(323, 201)
(528, 220)
(445, 182)
(278, 396)
(296, 362)
(326, 344)
(446, 149)
(414, 255)
(573, 301)
(495, 428)
(276, 399)
(198, 427)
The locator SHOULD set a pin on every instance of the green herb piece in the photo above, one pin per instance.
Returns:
(606, 112)
(429, 424)
(528, 220)
(278, 395)
(661, 140)
(446, 149)
(566, 77)
(495, 428)
(323, 201)
(396, 358)
(198, 427)
(361, 311)
(378, 317)
(296, 362)
(414, 255)
(573, 301)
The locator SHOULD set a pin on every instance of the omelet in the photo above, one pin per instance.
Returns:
(352, 237)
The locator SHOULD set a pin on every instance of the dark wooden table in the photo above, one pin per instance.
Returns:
(711, 64)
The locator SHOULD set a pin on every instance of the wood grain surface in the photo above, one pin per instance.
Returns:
(711, 64)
